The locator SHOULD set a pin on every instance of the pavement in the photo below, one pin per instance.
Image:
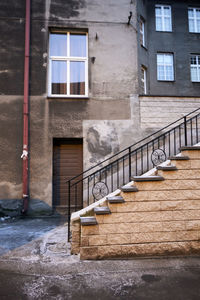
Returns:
(35, 263)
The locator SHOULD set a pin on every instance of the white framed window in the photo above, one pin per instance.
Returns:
(195, 67)
(194, 19)
(165, 66)
(142, 32)
(163, 18)
(144, 79)
(68, 64)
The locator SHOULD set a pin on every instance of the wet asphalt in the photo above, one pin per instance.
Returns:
(35, 263)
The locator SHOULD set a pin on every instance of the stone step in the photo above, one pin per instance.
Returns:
(179, 157)
(129, 188)
(102, 210)
(147, 178)
(115, 199)
(186, 148)
(85, 221)
(167, 168)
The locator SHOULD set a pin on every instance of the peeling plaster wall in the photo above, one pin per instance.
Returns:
(107, 121)
(10, 146)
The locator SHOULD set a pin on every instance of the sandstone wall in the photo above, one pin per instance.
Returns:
(161, 218)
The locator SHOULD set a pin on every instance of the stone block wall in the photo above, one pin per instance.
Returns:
(157, 111)
(162, 218)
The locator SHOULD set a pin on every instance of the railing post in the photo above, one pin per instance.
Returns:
(185, 130)
(69, 209)
(129, 159)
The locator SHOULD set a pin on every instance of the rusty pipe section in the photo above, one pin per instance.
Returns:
(25, 154)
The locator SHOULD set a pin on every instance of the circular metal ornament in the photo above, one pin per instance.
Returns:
(100, 190)
(158, 156)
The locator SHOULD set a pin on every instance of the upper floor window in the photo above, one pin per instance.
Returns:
(195, 68)
(142, 32)
(194, 19)
(165, 66)
(163, 18)
(68, 64)
(144, 80)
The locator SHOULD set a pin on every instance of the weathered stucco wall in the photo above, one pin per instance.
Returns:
(112, 81)
(108, 121)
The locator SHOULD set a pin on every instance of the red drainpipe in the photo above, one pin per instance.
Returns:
(25, 154)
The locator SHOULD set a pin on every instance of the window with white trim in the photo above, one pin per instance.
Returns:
(194, 19)
(165, 66)
(163, 18)
(142, 32)
(68, 64)
(144, 79)
(195, 67)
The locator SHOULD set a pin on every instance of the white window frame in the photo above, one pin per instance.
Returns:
(163, 17)
(142, 32)
(68, 59)
(196, 66)
(195, 18)
(164, 65)
(144, 81)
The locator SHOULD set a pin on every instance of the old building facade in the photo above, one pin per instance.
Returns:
(102, 75)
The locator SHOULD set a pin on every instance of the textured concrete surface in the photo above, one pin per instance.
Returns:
(44, 269)
(17, 232)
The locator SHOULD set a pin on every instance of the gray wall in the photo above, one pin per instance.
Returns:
(142, 51)
(179, 41)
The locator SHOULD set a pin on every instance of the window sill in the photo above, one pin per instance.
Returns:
(166, 80)
(164, 31)
(68, 97)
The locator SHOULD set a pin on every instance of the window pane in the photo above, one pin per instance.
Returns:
(58, 44)
(166, 11)
(169, 73)
(160, 58)
(198, 25)
(158, 10)
(77, 78)
(161, 74)
(194, 76)
(142, 33)
(142, 74)
(191, 25)
(190, 12)
(193, 60)
(168, 59)
(59, 77)
(167, 24)
(159, 23)
(198, 13)
(78, 45)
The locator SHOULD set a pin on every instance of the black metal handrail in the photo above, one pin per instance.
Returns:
(108, 175)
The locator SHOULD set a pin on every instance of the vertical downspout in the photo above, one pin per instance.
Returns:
(25, 154)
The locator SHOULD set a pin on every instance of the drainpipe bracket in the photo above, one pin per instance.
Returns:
(25, 196)
(24, 154)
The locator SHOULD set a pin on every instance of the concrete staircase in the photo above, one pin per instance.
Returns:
(157, 213)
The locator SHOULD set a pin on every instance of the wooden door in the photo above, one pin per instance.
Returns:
(67, 163)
